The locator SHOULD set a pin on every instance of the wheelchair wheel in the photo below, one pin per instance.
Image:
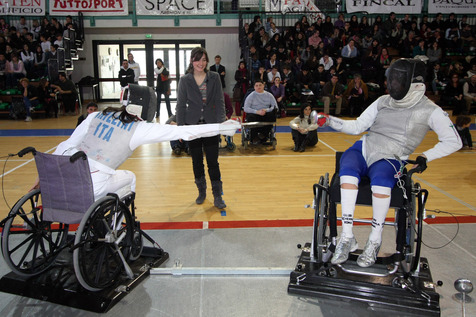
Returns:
(244, 138)
(106, 230)
(29, 244)
(321, 206)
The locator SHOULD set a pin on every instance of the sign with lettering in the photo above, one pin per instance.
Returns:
(174, 7)
(384, 6)
(22, 7)
(89, 7)
(452, 6)
(289, 6)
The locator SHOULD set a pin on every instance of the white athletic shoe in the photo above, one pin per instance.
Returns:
(344, 247)
(28, 119)
(369, 255)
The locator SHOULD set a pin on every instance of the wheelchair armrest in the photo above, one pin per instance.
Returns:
(77, 156)
(26, 151)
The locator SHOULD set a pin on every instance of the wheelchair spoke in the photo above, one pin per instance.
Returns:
(21, 244)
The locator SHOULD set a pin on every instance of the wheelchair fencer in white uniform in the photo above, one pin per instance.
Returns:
(92, 192)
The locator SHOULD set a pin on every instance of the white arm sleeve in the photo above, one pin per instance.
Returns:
(147, 133)
(448, 137)
(359, 125)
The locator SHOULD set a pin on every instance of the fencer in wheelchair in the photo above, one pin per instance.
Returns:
(81, 183)
(397, 124)
(260, 107)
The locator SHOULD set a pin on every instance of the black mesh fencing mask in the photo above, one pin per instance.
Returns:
(402, 74)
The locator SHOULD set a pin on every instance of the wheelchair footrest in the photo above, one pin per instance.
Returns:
(59, 284)
(330, 284)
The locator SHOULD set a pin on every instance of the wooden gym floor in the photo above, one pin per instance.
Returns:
(262, 187)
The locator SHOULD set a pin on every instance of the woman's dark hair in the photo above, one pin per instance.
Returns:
(123, 116)
(301, 112)
(196, 55)
(42, 83)
(462, 120)
(159, 59)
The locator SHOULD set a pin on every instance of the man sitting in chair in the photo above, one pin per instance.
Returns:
(397, 124)
(260, 106)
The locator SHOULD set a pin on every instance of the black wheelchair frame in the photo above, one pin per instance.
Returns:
(399, 282)
(105, 250)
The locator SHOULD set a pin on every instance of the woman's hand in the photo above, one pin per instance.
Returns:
(36, 185)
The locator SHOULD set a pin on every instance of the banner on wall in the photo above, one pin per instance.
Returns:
(174, 7)
(289, 6)
(22, 7)
(89, 7)
(386, 6)
(452, 6)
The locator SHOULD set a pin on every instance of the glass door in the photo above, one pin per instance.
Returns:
(109, 65)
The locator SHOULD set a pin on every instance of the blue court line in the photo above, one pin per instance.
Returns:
(37, 132)
(68, 132)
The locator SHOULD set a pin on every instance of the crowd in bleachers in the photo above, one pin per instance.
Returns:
(26, 47)
(306, 56)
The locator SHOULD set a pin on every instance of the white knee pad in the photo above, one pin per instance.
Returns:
(346, 179)
(381, 190)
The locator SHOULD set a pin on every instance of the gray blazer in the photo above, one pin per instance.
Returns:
(189, 100)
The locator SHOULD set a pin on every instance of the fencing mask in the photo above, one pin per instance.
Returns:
(402, 74)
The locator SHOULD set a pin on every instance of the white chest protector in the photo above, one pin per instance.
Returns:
(107, 140)
(397, 132)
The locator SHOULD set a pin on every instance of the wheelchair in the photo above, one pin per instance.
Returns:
(400, 282)
(246, 135)
(107, 241)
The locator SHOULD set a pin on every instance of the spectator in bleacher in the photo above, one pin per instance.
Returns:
(279, 93)
(414, 28)
(28, 58)
(320, 51)
(262, 75)
(267, 25)
(375, 49)
(218, 68)
(319, 77)
(314, 39)
(451, 21)
(453, 95)
(406, 22)
(304, 22)
(51, 54)
(241, 86)
(288, 80)
(453, 38)
(472, 70)
(297, 66)
(45, 43)
(350, 53)
(332, 92)
(397, 36)
(326, 61)
(59, 40)
(30, 97)
(304, 80)
(306, 54)
(434, 53)
(339, 23)
(163, 86)
(273, 30)
(356, 95)
(436, 78)
(364, 26)
(467, 36)
(425, 32)
(57, 26)
(341, 69)
(14, 71)
(46, 27)
(312, 63)
(256, 24)
(3, 66)
(462, 22)
(47, 97)
(409, 44)
(67, 90)
(36, 29)
(420, 49)
(3, 26)
(272, 62)
(424, 20)
(22, 24)
(438, 22)
(389, 25)
(272, 75)
(303, 130)
(69, 19)
(39, 67)
(327, 27)
(469, 91)
(126, 74)
(283, 55)
(366, 42)
(377, 33)
(255, 65)
(135, 67)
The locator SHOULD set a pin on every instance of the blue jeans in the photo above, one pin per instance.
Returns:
(29, 104)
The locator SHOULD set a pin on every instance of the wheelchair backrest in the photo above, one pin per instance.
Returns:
(66, 187)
